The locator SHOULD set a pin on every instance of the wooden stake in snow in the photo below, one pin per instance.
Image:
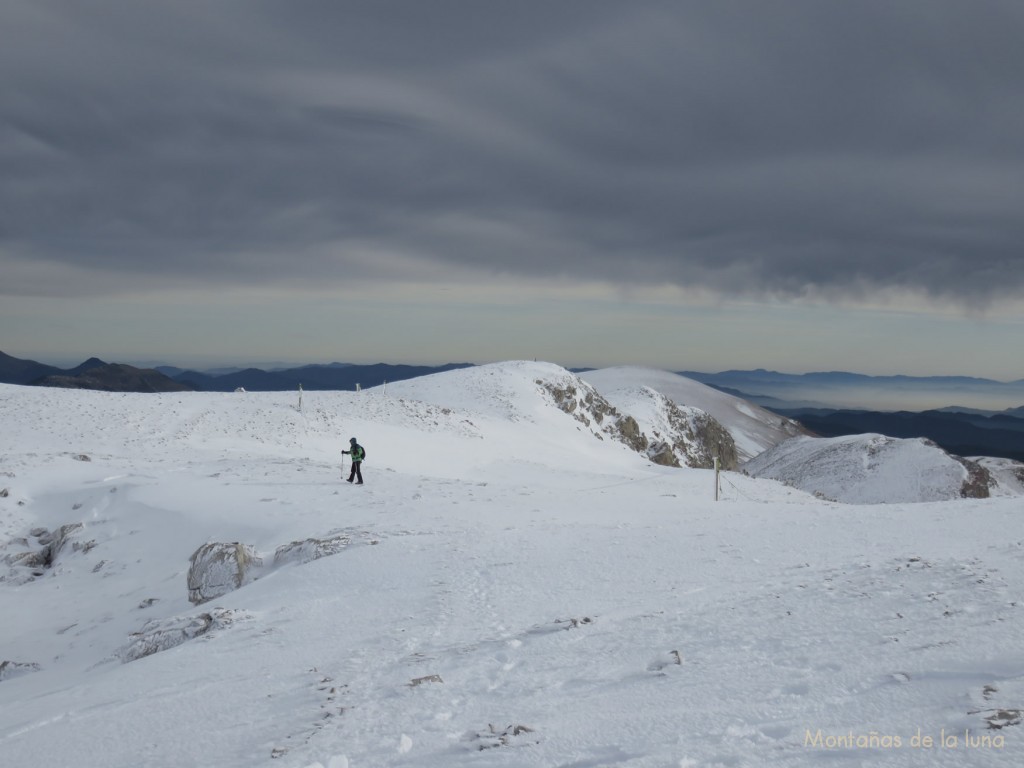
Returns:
(717, 484)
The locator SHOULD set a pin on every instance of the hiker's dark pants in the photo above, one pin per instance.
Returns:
(356, 472)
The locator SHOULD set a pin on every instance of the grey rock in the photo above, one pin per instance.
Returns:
(161, 634)
(9, 669)
(310, 549)
(217, 568)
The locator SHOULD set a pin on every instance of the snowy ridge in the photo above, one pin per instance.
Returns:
(559, 409)
(872, 469)
(516, 391)
(506, 589)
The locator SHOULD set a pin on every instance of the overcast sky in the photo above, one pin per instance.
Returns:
(702, 185)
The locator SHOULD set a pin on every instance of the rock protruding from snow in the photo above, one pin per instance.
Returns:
(161, 634)
(979, 481)
(679, 435)
(218, 568)
(54, 541)
(308, 550)
(583, 403)
(672, 435)
(38, 552)
(872, 469)
(753, 429)
(9, 669)
(1007, 475)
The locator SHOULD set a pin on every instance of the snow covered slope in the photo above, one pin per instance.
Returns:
(753, 428)
(559, 412)
(871, 469)
(507, 589)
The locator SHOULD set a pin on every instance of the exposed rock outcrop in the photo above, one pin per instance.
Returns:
(36, 553)
(1007, 475)
(693, 438)
(307, 550)
(217, 568)
(161, 634)
(666, 433)
(9, 669)
(588, 407)
(979, 481)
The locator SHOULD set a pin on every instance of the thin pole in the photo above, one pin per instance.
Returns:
(717, 485)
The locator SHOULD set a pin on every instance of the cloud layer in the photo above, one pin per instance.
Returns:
(783, 149)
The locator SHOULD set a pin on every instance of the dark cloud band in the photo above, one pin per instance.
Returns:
(785, 148)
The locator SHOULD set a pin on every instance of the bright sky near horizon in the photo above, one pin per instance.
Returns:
(796, 185)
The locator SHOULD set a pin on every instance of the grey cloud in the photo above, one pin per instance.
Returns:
(784, 148)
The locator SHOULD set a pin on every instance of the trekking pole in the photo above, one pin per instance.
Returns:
(342, 463)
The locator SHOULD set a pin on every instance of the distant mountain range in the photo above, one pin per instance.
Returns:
(97, 374)
(838, 389)
(335, 376)
(115, 378)
(92, 374)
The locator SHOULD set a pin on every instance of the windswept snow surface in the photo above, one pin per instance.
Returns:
(754, 429)
(516, 592)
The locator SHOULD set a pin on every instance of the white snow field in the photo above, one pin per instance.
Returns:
(511, 589)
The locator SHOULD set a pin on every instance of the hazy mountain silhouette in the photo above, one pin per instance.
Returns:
(332, 376)
(842, 390)
(107, 377)
(15, 371)
(312, 377)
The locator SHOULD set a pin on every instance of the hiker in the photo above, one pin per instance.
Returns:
(358, 454)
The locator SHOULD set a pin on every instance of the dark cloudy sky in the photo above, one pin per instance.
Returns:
(799, 185)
